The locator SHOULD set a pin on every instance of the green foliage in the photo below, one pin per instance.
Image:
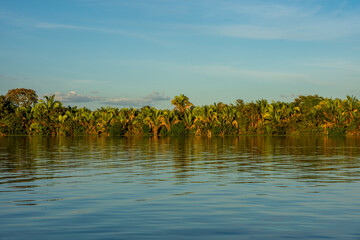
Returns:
(179, 129)
(74, 128)
(12, 125)
(181, 103)
(337, 131)
(146, 130)
(117, 129)
(163, 132)
(6, 107)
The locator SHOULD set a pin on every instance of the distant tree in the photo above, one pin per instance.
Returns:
(306, 103)
(22, 97)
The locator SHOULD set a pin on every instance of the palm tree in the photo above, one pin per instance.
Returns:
(181, 103)
(352, 106)
(189, 120)
(263, 108)
(104, 117)
(207, 119)
(45, 114)
(50, 103)
(155, 121)
(169, 119)
(227, 119)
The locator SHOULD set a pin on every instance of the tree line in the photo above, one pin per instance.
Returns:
(21, 113)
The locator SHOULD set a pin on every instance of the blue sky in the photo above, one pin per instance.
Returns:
(126, 53)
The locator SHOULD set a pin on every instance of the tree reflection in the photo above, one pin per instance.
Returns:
(302, 158)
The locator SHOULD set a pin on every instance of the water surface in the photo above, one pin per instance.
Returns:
(179, 188)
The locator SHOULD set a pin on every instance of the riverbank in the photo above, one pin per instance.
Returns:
(305, 116)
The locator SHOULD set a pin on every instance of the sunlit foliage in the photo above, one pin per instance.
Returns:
(306, 115)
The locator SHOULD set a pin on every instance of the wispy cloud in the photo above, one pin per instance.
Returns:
(306, 31)
(150, 99)
(266, 20)
(336, 65)
(45, 25)
(230, 71)
(271, 10)
(75, 97)
(22, 21)
(86, 81)
(291, 96)
(278, 21)
(8, 78)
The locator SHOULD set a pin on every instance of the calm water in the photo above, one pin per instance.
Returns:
(180, 188)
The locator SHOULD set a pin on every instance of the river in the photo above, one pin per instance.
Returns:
(179, 188)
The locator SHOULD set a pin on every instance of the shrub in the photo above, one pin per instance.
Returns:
(117, 129)
(179, 129)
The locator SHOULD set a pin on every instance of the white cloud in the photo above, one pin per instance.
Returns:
(139, 102)
(156, 96)
(73, 96)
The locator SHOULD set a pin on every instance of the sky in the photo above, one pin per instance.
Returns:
(132, 53)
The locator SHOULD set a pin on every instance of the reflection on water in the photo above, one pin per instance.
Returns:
(183, 188)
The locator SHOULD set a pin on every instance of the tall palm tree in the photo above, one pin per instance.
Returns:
(155, 120)
(181, 103)
(227, 119)
(169, 119)
(50, 103)
(207, 119)
(189, 120)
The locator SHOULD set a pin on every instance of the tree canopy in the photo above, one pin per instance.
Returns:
(22, 97)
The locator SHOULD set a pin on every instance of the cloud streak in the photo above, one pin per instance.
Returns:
(271, 10)
(335, 65)
(221, 71)
(319, 30)
(14, 19)
(8, 78)
(45, 25)
(273, 21)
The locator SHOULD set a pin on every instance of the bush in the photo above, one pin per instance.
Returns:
(164, 131)
(337, 131)
(117, 129)
(179, 129)
(13, 125)
(146, 129)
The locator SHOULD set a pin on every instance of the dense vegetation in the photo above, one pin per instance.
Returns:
(22, 114)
